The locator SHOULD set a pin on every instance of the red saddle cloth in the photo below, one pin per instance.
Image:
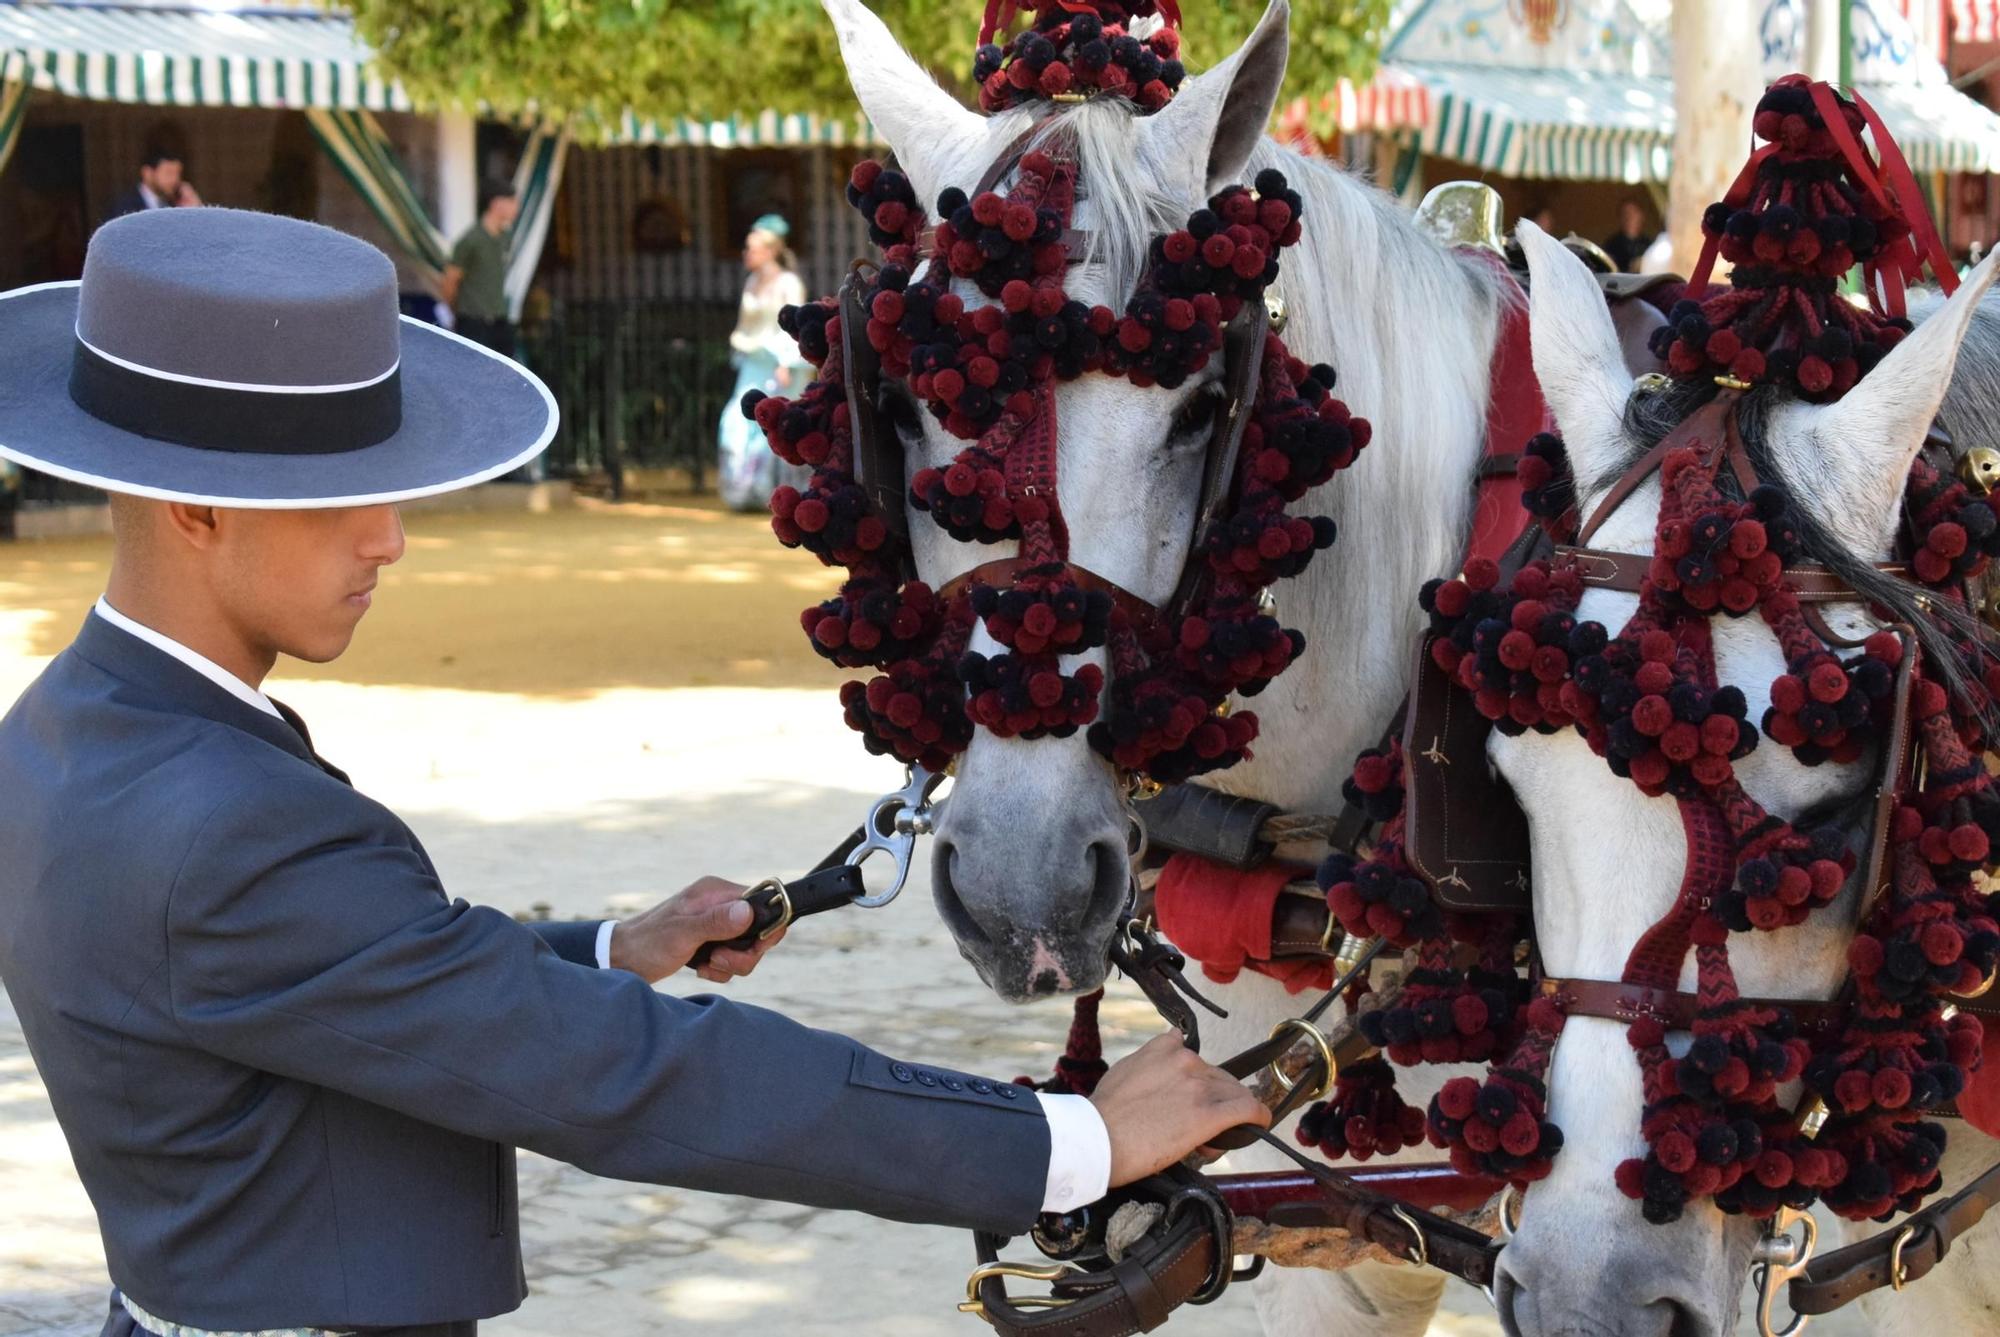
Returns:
(1979, 1103)
(1221, 917)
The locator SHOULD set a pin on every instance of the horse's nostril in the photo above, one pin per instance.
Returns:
(952, 908)
(1110, 882)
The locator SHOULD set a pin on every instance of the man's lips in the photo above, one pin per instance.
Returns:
(363, 596)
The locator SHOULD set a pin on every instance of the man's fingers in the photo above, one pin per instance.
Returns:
(731, 919)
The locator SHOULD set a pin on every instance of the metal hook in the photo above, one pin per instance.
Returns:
(894, 822)
(1778, 1259)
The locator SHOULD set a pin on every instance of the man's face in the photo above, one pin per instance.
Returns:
(1632, 217)
(503, 211)
(298, 582)
(164, 180)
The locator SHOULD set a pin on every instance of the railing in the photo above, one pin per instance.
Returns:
(639, 384)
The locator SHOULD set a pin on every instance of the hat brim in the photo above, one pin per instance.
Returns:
(469, 415)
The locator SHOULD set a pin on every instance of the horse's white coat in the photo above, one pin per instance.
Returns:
(1410, 328)
(1608, 861)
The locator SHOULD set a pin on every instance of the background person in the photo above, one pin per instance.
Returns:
(475, 282)
(766, 359)
(1629, 242)
(161, 185)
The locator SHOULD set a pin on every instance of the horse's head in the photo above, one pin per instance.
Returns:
(1609, 861)
(1030, 863)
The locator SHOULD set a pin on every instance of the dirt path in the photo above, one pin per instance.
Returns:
(586, 710)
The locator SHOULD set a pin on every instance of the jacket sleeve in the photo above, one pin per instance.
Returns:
(307, 938)
(575, 942)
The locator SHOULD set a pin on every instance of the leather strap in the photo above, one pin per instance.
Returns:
(1302, 926)
(1847, 1274)
(1222, 828)
(1184, 1261)
(1001, 572)
(1626, 572)
(1672, 1008)
(815, 893)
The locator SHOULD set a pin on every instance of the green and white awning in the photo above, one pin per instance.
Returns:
(1938, 128)
(195, 57)
(767, 129)
(1565, 124)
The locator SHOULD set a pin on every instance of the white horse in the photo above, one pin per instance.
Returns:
(1608, 861)
(1029, 864)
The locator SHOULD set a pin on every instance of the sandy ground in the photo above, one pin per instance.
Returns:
(586, 710)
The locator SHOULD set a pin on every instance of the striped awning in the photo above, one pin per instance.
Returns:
(194, 57)
(766, 129)
(1393, 100)
(1562, 124)
(1975, 20)
(1938, 128)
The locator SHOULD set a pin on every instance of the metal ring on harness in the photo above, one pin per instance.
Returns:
(985, 1272)
(1325, 1047)
(1421, 1253)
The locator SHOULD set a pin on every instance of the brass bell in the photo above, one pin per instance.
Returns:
(1274, 307)
(1979, 469)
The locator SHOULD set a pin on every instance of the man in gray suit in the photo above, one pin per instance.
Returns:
(291, 1071)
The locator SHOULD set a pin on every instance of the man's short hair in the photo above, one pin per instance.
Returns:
(490, 191)
(154, 157)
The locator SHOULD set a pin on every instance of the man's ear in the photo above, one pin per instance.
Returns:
(198, 526)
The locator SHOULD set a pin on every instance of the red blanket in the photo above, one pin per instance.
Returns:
(1979, 1103)
(1221, 918)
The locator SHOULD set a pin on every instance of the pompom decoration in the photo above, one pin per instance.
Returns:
(1363, 1117)
(1646, 698)
(1079, 48)
(1810, 206)
(985, 372)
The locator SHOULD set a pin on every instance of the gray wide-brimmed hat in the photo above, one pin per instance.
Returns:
(244, 359)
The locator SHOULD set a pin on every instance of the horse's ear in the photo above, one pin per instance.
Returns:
(925, 126)
(1578, 358)
(1216, 119)
(1857, 450)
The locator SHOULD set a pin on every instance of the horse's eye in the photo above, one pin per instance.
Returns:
(1197, 415)
(899, 411)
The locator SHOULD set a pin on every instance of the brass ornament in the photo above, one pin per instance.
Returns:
(1979, 469)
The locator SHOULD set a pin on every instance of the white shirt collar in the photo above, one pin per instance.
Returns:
(206, 667)
(149, 199)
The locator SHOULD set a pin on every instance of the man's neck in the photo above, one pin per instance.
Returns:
(492, 228)
(202, 630)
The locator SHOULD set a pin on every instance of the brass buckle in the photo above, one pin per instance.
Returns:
(784, 902)
(1421, 1253)
(985, 1272)
(1899, 1271)
(1313, 1033)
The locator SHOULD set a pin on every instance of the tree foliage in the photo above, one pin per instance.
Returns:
(709, 59)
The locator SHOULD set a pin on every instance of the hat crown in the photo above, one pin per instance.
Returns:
(246, 298)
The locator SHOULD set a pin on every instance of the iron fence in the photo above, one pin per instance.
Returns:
(639, 384)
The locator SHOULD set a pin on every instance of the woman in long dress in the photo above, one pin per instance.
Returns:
(766, 359)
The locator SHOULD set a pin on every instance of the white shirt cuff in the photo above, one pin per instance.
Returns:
(604, 943)
(1079, 1153)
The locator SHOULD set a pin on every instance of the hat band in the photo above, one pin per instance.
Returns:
(305, 420)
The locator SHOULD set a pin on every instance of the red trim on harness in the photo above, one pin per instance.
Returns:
(1515, 411)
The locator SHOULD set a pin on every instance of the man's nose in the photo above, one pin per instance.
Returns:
(384, 540)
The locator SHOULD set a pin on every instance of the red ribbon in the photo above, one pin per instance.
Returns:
(1735, 197)
(1902, 262)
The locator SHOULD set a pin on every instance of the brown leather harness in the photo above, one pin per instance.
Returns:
(1468, 840)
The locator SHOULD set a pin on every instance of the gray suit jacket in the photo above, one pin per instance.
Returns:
(292, 1073)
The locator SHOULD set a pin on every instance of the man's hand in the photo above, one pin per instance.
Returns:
(187, 197)
(1162, 1102)
(659, 942)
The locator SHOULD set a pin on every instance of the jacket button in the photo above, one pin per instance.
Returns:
(953, 1084)
(926, 1078)
(1010, 1091)
(982, 1086)
(900, 1071)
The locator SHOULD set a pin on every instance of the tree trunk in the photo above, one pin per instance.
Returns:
(1717, 81)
